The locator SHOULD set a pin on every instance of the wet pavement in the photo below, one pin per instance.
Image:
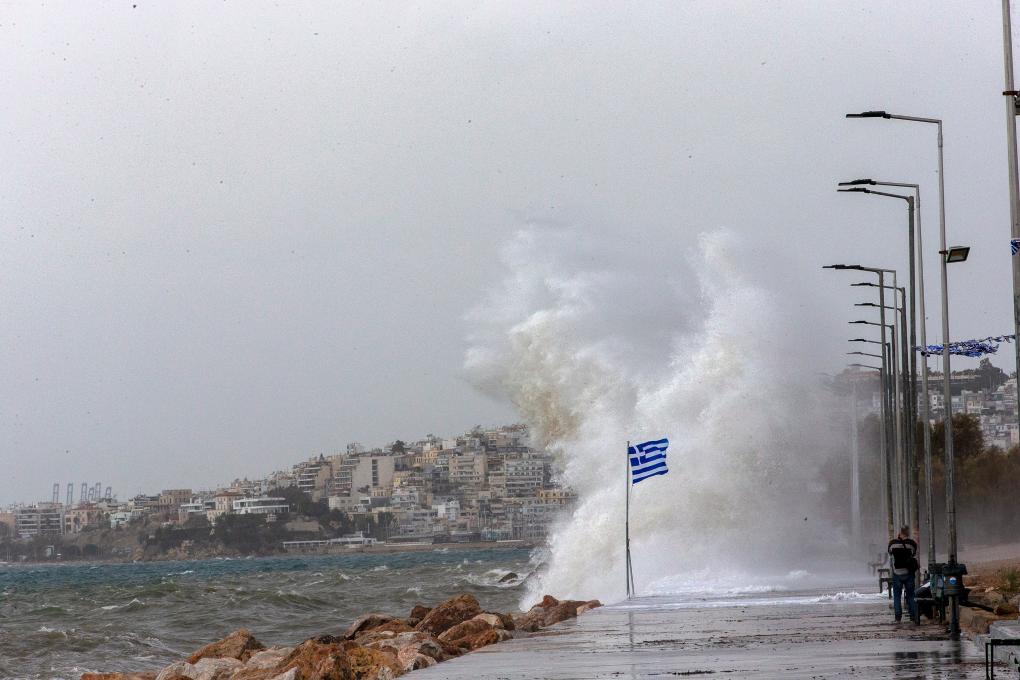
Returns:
(803, 635)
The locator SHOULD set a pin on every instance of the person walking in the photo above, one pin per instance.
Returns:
(903, 560)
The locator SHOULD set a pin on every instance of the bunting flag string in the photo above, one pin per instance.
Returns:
(969, 348)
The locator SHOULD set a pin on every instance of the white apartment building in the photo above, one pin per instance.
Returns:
(265, 505)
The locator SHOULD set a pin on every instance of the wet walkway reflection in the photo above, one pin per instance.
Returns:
(794, 636)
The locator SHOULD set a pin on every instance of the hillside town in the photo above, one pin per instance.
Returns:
(484, 485)
(986, 393)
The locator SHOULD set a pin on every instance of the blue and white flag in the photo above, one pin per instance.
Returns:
(1014, 245)
(647, 460)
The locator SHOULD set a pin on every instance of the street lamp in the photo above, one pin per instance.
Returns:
(952, 568)
(887, 441)
(904, 464)
(859, 186)
(894, 433)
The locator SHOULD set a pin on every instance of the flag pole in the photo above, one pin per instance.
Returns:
(626, 480)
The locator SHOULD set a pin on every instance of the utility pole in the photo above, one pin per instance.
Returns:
(1012, 103)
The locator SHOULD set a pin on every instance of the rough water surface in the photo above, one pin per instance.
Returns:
(59, 621)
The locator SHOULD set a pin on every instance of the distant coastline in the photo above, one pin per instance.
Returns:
(375, 549)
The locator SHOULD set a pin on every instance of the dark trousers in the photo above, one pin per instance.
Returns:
(901, 582)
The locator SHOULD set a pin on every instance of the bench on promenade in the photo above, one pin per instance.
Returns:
(990, 645)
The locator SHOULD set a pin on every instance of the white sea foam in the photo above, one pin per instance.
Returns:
(596, 340)
(381, 567)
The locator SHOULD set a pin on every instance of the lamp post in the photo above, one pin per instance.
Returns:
(887, 440)
(953, 570)
(892, 469)
(905, 468)
(1012, 108)
(913, 208)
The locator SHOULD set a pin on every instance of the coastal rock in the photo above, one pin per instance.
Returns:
(510, 577)
(448, 614)
(417, 661)
(471, 627)
(1005, 609)
(496, 620)
(366, 623)
(373, 664)
(292, 674)
(486, 637)
(118, 676)
(240, 645)
(393, 626)
(551, 611)
(267, 658)
(180, 669)
(418, 612)
(215, 669)
(406, 645)
(321, 658)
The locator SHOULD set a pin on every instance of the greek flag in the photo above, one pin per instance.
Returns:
(1014, 245)
(647, 460)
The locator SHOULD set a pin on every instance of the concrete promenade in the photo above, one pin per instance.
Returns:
(803, 635)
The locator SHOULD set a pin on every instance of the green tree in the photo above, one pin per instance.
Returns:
(967, 438)
(991, 376)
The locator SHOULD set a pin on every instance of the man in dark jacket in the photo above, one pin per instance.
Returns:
(903, 560)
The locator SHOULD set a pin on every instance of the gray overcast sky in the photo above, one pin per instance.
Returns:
(233, 235)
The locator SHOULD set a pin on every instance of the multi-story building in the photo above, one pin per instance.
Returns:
(40, 519)
(313, 476)
(171, 499)
(265, 505)
(83, 517)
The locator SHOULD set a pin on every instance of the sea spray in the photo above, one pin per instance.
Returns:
(596, 341)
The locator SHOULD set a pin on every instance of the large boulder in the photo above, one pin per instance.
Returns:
(497, 620)
(373, 664)
(465, 629)
(366, 623)
(180, 669)
(239, 645)
(321, 658)
(418, 612)
(551, 611)
(448, 614)
(216, 668)
(267, 658)
(490, 636)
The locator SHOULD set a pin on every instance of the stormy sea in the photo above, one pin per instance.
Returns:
(59, 621)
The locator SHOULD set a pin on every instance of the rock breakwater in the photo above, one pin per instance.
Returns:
(374, 647)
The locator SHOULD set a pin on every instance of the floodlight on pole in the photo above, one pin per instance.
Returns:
(955, 253)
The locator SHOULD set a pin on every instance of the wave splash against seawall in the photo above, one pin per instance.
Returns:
(596, 341)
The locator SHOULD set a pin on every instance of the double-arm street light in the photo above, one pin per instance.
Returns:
(952, 571)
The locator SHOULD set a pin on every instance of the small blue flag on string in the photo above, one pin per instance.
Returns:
(647, 459)
(1014, 245)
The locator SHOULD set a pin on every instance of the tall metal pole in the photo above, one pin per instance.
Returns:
(897, 333)
(909, 476)
(954, 622)
(926, 409)
(912, 384)
(1014, 175)
(890, 507)
(626, 481)
(855, 473)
